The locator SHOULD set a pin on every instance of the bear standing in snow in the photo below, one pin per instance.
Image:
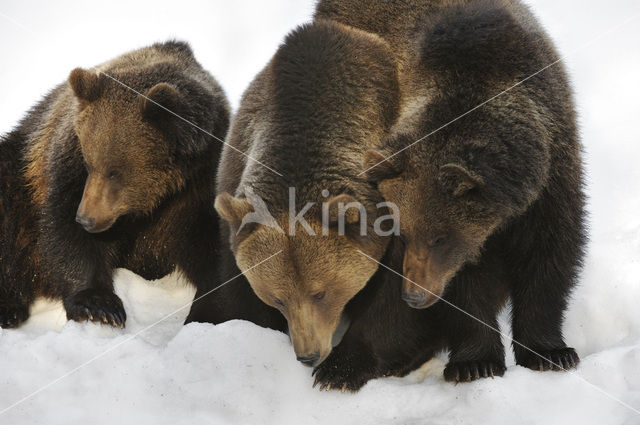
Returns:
(97, 177)
(328, 95)
(492, 203)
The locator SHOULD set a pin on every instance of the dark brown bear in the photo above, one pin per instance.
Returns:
(386, 336)
(328, 95)
(98, 177)
(492, 204)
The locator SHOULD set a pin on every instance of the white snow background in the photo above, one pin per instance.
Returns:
(239, 373)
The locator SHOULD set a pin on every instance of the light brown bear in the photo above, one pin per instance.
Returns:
(104, 174)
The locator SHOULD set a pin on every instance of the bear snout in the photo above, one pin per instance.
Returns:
(92, 225)
(310, 360)
(422, 286)
(417, 297)
(87, 223)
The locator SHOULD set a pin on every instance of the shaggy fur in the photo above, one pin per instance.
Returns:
(329, 94)
(129, 171)
(492, 204)
(518, 159)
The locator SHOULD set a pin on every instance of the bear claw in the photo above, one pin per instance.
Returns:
(96, 305)
(328, 376)
(557, 359)
(12, 316)
(472, 370)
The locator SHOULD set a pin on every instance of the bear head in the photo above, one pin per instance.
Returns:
(314, 267)
(132, 144)
(459, 186)
(446, 216)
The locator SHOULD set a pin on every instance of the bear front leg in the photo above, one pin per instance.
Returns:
(97, 305)
(14, 310)
(543, 272)
(544, 266)
(81, 263)
(349, 367)
(96, 301)
(476, 352)
(476, 349)
(17, 293)
(539, 301)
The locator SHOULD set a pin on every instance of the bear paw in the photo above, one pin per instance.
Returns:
(13, 315)
(332, 377)
(472, 370)
(96, 305)
(557, 359)
(343, 372)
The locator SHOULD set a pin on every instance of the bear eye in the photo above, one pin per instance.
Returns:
(278, 301)
(113, 175)
(318, 295)
(440, 240)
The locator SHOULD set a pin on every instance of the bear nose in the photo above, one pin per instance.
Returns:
(86, 222)
(309, 360)
(414, 299)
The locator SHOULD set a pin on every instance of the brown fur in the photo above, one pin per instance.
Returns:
(310, 294)
(36, 155)
(146, 203)
(497, 191)
(399, 23)
(328, 95)
(107, 152)
(452, 56)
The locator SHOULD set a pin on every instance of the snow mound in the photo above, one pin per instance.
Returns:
(237, 372)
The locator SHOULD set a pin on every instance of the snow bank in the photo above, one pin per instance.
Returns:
(237, 372)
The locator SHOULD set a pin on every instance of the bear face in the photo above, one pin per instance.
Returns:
(128, 156)
(446, 221)
(456, 188)
(318, 268)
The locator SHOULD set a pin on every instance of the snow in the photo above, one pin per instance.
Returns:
(158, 372)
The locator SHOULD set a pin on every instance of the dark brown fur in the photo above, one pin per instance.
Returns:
(328, 95)
(386, 336)
(493, 202)
(126, 169)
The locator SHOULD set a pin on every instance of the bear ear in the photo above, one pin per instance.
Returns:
(86, 85)
(160, 102)
(378, 166)
(343, 213)
(346, 206)
(457, 180)
(231, 209)
(167, 109)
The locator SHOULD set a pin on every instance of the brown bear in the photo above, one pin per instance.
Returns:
(329, 94)
(492, 202)
(108, 171)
